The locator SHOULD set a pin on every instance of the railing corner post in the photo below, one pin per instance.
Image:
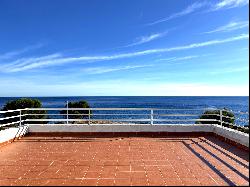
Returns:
(221, 117)
(89, 117)
(67, 112)
(152, 117)
(20, 118)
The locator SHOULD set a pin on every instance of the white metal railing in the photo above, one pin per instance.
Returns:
(148, 115)
(115, 115)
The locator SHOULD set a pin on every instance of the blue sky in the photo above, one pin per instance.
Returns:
(120, 47)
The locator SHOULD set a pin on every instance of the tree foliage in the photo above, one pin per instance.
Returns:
(23, 103)
(227, 117)
(78, 114)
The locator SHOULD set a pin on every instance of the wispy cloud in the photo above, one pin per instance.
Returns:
(223, 4)
(101, 70)
(226, 4)
(230, 27)
(231, 70)
(12, 54)
(26, 61)
(186, 11)
(129, 88)
(179, 58)
(245, 48)
(145, 39)
(27, 64)
(31, 63)
(183, 58)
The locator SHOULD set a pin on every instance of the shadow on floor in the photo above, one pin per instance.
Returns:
(222, 176)
(231, 148)
(225, 147)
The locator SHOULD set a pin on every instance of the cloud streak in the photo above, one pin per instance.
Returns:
(27, 64)
(226, 4)
(146, 39)
(188, 10)
(31, 63)
(128, 88)
(231, 70)
(179, 58)
(230, 27)
(101, 70)
(12, 54)
(221, 5)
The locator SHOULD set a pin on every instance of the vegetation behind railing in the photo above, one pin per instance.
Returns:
(223, 117)
(76, 114)
(22, 104)
(80, 112)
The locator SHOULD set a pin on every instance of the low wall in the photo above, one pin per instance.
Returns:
(11, 133)
(228, 134)
(119, 128)
(231, 134)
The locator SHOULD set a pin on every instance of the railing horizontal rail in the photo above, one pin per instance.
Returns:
(227, 117)
(86, 120)
(156, 109)
(12, 123)
(11, 117)
(120, 114)
(119, 120)
(116, 115)
(7, 111)
(239, 112)
(113, 109)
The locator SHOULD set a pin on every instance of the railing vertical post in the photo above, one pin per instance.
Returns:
(89, 118)
(221, 117)
(67, 112)
(152, 117)
(20, 118)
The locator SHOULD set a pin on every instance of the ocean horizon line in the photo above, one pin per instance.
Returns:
(135, 96)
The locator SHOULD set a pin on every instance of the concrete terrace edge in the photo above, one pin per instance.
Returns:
(8, 135)
(232, 136)
(98, 128)
(229, 135)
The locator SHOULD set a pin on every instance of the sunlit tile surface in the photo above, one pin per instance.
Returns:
(123, 161)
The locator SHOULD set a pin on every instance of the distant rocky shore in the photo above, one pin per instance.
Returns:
(101, 122)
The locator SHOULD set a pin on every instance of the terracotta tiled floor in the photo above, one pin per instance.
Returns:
(123, 161)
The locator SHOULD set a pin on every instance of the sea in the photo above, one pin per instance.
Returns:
(234, 103)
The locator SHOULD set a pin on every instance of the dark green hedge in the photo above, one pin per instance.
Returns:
(21, 104)
(82, 113)
(228, 117)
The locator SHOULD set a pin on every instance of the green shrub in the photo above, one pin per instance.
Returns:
(246, 130)
(21, 104)
(228, 117)
(81, 113)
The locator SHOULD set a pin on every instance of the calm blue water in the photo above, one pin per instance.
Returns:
(189, 102)
(165, 102)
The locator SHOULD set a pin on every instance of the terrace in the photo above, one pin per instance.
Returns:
(133, 147)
